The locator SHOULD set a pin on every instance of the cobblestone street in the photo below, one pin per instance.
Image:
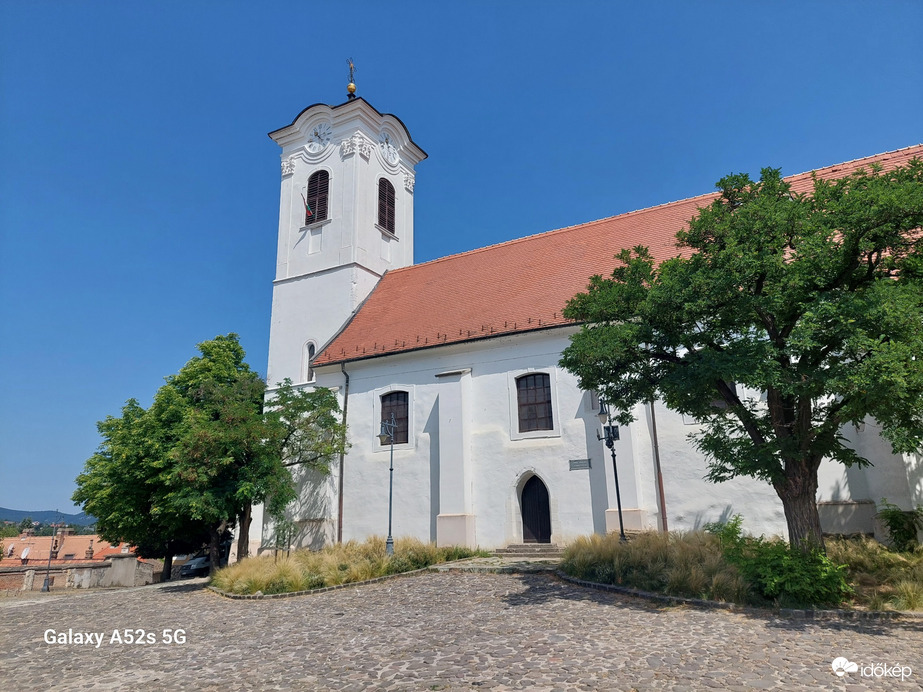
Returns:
(435, 631)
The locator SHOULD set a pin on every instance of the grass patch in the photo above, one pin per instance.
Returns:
(346, 563)
(882, 579)
(859, 573)
(678, 564)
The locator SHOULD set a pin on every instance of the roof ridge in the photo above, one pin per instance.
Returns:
(563, 229)
(852, 161)
(683, 200)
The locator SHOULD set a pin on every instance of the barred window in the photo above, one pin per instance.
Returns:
(386, 205)
(396, 403)
(534, 397)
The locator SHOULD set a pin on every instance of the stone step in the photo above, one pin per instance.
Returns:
(530, 550)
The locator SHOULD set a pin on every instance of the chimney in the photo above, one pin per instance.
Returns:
(89, 552)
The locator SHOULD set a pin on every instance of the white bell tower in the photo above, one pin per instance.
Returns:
(345, 217)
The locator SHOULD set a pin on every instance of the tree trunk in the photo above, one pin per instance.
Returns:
(167, 567)
(798, 493)
(214, 546)
(243, 540)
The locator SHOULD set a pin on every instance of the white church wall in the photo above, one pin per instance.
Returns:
(500, 460)
(692, 501)
(310, 309)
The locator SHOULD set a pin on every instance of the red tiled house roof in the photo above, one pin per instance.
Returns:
(522, 285)
(69, 545)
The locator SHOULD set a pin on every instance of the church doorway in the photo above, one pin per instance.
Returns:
(536, 512)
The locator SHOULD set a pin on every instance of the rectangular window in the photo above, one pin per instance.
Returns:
(396, 404)
(534, 400)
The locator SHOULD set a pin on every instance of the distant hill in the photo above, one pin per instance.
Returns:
(47, 516)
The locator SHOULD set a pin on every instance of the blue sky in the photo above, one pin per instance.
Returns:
(139, 191)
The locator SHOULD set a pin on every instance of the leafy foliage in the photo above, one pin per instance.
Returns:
(124, 486)
(779, 573)
(815, 300)
(903, 526)
(178, 474)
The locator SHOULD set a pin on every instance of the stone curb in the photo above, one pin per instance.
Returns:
(791, 613)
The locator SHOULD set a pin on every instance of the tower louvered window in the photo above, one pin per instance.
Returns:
(318, 185)
(534, 398)
(386, 205)
(396, 403)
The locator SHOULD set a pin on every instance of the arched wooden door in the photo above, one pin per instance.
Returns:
(536, 512)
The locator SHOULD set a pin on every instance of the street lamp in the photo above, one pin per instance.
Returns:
(610, 435)
(46, 587)
(387, 435)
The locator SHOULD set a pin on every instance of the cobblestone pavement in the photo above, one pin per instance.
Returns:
(437, 631)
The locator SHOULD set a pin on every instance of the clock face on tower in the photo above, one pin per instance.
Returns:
(319, 137)
(388, 150)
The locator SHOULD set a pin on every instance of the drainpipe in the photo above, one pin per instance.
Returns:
(661, 499)
(342, 457)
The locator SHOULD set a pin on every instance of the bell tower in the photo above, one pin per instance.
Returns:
(345, 218)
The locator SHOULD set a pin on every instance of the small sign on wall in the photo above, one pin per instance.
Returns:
(579, 464)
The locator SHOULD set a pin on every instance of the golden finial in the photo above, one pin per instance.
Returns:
(351, 87)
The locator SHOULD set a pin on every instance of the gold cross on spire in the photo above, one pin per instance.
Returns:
(351, 87)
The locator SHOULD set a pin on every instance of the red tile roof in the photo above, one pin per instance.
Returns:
(522, 285)
(39, 547)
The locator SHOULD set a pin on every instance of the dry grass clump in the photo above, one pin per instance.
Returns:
(679, 564)
(882, 579)
(337, 564)
(694, 565)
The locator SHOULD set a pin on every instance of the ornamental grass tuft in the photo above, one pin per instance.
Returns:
(722, 564)
(677, 564)
(346, 563)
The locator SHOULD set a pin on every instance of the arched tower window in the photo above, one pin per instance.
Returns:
(309, 351)
(396, 403)
(316, 200)
(534, 402)
(386, 205)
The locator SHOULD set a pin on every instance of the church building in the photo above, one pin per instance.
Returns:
(495, 444)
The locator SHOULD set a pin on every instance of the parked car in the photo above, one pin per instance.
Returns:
(196, 567)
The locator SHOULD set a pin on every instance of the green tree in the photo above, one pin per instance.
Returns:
(123, 485)
(192, 465)
(815, 300)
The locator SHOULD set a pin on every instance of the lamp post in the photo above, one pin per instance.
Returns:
(386, 435)
(46, 587)
(610, 435)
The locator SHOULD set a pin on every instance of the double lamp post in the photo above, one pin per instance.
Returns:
(610, 435)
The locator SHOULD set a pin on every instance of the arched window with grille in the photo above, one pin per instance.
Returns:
(533, 393)
(316, 199)
(386, 205)
(396, 403)
(309, 351)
